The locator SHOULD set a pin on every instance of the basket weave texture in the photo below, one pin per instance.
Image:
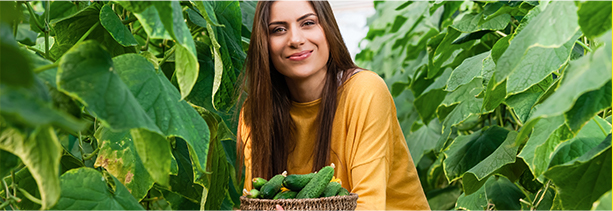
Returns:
(348, 202)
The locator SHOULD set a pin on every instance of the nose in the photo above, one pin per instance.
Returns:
(297, 37)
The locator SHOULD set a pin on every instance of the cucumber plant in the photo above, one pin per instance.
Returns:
(504, 104)
(120, 104)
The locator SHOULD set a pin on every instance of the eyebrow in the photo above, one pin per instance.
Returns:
(299, 19)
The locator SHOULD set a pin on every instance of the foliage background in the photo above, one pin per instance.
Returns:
(121, 105)
(504, 105)
(131, 105)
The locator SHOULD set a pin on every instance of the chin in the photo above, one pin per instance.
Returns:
(302, 72)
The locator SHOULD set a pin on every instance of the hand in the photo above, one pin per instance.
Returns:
(279, 208)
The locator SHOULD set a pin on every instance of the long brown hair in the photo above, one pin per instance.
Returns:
(266, 110)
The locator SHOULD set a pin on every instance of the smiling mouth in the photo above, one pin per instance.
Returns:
(300, 56)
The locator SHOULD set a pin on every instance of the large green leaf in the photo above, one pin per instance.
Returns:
(590, 136)
(498, 192)
(537, 64)
(183, 183)
(431, 97)
(70, 29)
(231, 51)
(584, 180)
(442, 51)
(86, 73)
(29, 106)
(523, 103)
(475, 22)
(15, 67)
(494, 95)
(503, 193)
(466, 103)
(119, 157)
(480, 153)
(467, 71)
(587, 106)
(552, 28)
(475, 201)
(149, 18)
(186, 65)
(588, 73)
(226, 49)
(88, 189)
(248, 12)
(115, 27)
(594, 17)
(443, 199)
(9, 163)
(40, 151)
(604, 203)
(217, 182)
(154, 151)
(25, 35)
(423, 140)
(546, 135)
(59, 10)
(160, 99)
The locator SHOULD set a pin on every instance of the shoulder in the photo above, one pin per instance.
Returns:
(365, 84)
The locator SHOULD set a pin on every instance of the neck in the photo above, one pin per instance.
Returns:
(306, 89)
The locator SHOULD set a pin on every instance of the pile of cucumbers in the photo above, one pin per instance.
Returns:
(298, 186)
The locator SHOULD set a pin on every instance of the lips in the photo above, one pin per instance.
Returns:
(300, 56)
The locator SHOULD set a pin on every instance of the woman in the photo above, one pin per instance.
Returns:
(308, 105)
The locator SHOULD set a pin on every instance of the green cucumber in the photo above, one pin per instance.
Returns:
(286, 195)
(318, 184)
(343, 192)
(296, 182)
(270, 188)
(258, 182)
(331, 189)
(254, 193)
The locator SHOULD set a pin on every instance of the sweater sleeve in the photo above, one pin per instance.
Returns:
(380, 161)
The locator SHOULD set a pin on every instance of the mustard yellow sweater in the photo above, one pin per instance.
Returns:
(368, 148)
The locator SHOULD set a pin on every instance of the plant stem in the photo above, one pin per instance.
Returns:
(542, 195)
(499, 117)
(601, 128)
(172, 50)
(5, 203)
(15, 28)
(47, 28)
(90, 156)
(13, 181)
(45, 67)
(88, 32)
(81, 147)
(583, 45)
(515, 118)
(32, 14)
(6, 189)
(138, 29)
(501, 34)
(513, 23)
(29, 196)
(129, 20)
(146, 47)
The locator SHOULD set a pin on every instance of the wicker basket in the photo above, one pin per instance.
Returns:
(328, 203)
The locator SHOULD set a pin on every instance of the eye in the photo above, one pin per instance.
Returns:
(278, 30)
(308, 23)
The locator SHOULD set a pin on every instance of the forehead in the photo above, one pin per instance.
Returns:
(289, 10)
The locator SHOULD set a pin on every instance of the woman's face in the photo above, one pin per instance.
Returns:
(297, 44)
